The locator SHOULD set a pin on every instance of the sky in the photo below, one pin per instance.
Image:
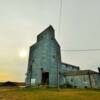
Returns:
(22, 20)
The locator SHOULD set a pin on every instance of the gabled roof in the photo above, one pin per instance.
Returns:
(48, 30)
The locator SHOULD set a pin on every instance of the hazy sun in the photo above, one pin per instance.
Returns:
(22, 53)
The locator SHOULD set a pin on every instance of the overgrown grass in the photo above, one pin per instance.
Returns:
(49, 94)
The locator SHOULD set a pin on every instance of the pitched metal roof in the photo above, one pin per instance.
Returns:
(66, 64)
(80, 72)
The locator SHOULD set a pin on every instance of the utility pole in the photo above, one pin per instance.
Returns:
(59, 29)
(57, 73)
(90, 79)
(60, 17)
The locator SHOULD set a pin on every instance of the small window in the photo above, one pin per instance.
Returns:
(54, 56)
(41, 69)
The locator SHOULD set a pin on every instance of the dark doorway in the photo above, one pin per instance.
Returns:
(45, 78)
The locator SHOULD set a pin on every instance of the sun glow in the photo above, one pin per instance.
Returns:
(22, 53)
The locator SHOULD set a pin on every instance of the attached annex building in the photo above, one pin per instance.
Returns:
(45, 62)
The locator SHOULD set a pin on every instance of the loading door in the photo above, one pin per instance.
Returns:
(45, 78)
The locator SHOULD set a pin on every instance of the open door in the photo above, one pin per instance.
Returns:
(45, 78)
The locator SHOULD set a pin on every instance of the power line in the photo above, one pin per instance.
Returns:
(80, 50)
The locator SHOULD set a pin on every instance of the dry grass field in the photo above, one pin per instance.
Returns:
(48, 94)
